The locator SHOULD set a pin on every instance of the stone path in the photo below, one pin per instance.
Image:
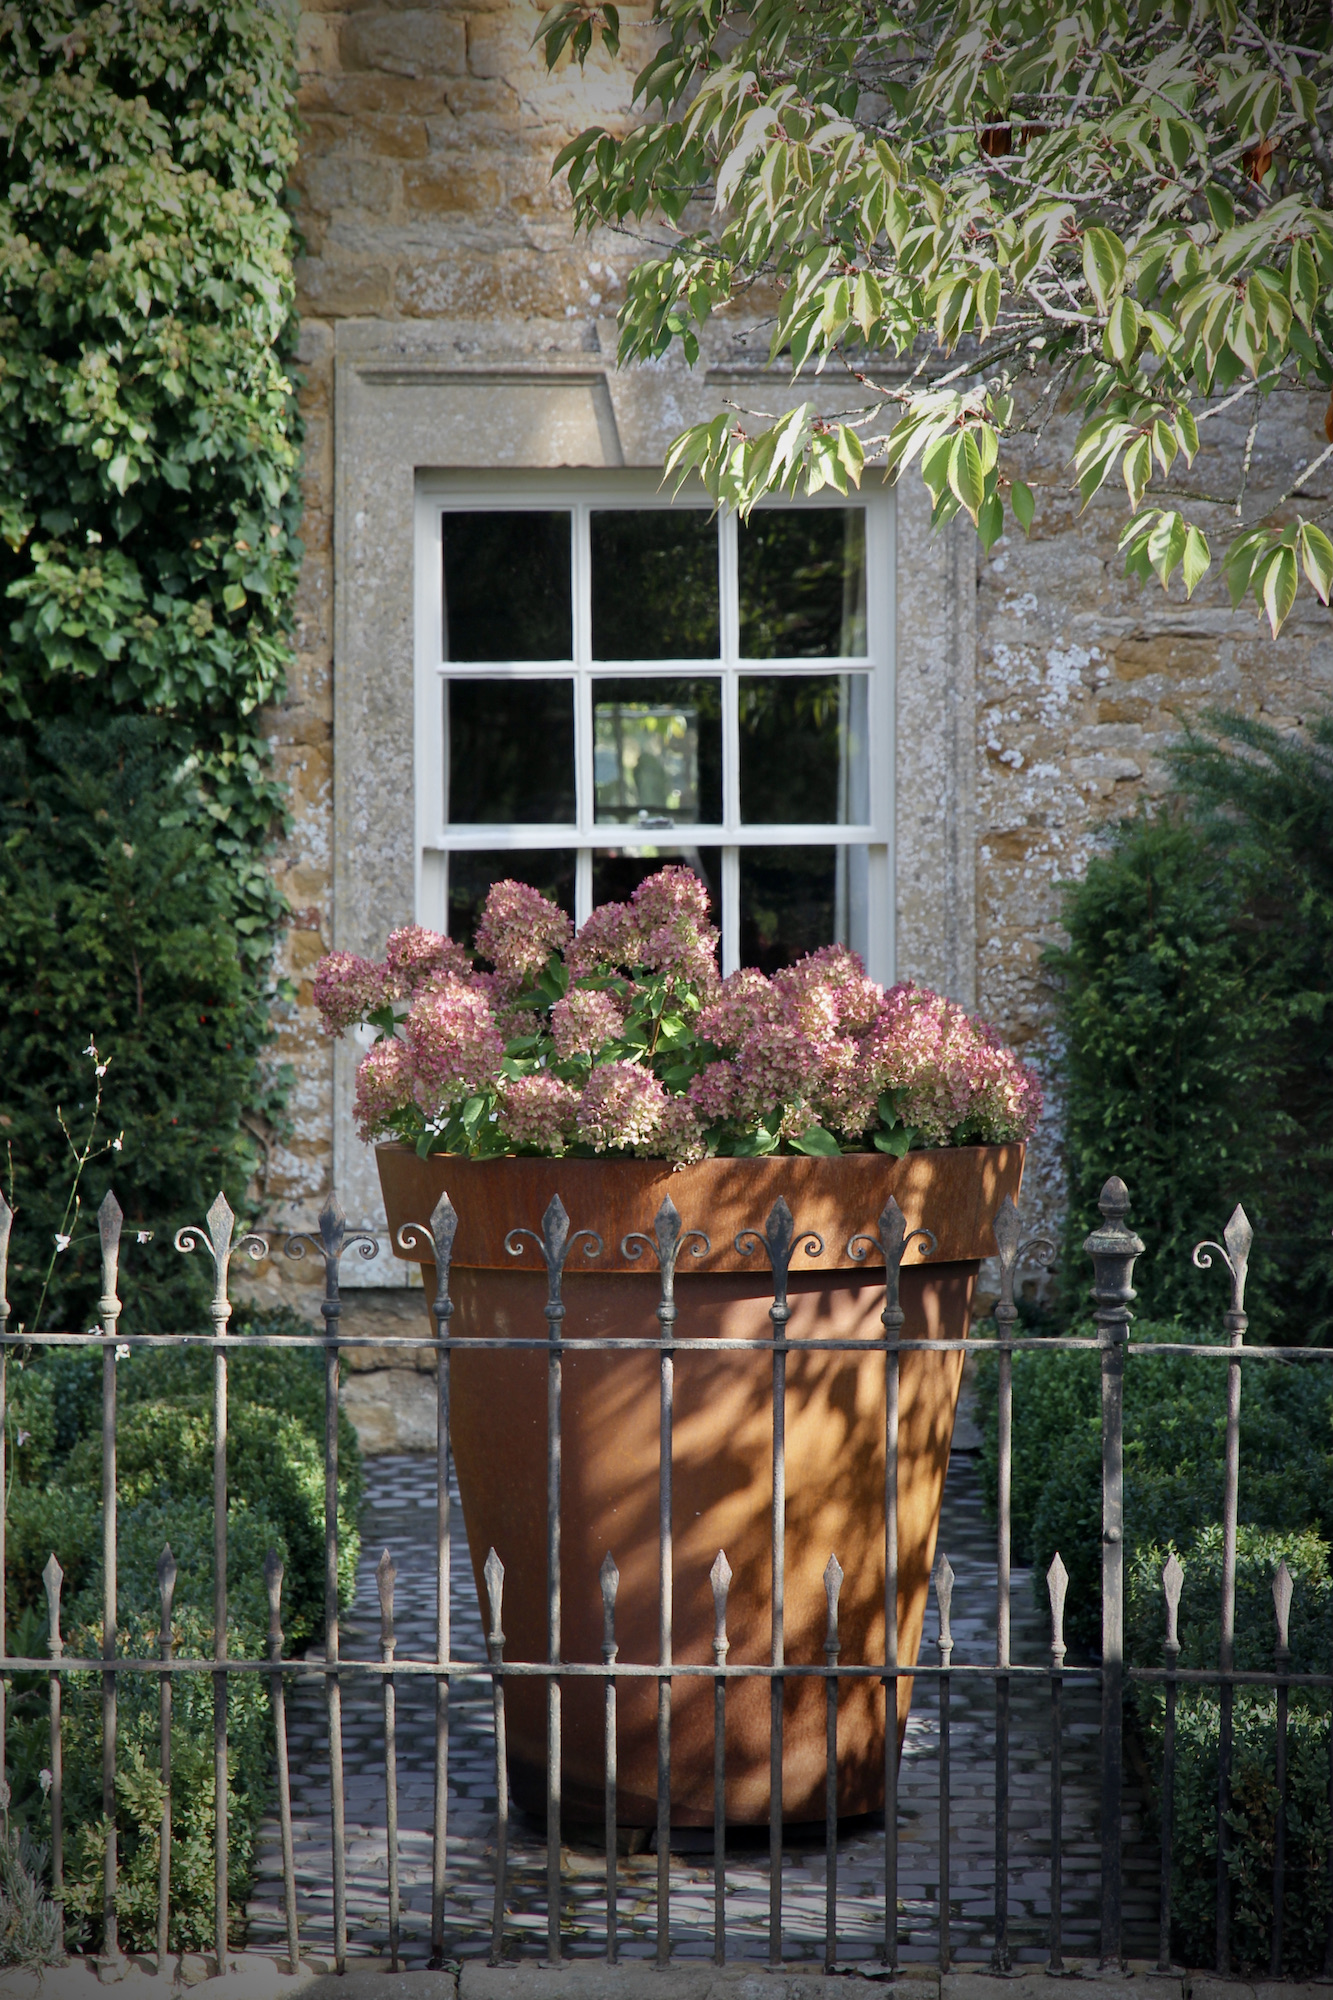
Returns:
(399, 1515)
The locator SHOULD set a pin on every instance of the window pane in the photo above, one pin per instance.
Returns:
(654, 585)
(616, 874)
(795, 899)
(507, 587)
(802, 583)
(657, 751)
(804, 742)
(471, 875)
(510, 752)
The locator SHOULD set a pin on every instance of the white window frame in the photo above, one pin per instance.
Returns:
(581, 492)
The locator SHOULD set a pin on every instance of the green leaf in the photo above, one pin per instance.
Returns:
(1278, 588)
(233, 597)
(966, 479)
(1103, 264)
(1122, 331)
(1317, 559)
(990, 521)
(1024, 505)
(896, 1142)
(818, 1142)
(1196, 559)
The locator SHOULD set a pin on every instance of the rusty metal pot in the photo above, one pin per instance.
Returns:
(722, 1457)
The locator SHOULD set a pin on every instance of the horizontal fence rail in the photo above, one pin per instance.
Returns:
(776, 1241)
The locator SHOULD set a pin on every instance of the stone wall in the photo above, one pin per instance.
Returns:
(1034, 695)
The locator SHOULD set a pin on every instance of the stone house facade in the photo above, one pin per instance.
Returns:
(458, 346)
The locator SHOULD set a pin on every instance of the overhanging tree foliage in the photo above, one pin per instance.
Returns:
(1130, 205)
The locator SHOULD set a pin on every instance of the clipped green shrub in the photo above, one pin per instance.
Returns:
(1195, 1031)
(164, 1467)
(1167, 1053)
(1174, 1432)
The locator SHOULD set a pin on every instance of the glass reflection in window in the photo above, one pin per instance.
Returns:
(657, 751)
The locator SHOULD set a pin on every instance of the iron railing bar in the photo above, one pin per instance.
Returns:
(832, 1648)
(109, 1220)
(443, 1229)
(1000, 1957)
(1057, 1584)
(1281, 1654)
(778, 1239)
(166, 1583)
(944, 1582)
(1113, 1249)
(1234, 1250)
(630, 1343)
(609, 1577)
(273, 1572)
(1173, 1578)
(52, 1579)
(719, 1576)
(386, 1575)
(493, 1574)
(312, 1671)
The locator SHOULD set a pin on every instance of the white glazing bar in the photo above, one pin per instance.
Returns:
(731, 910)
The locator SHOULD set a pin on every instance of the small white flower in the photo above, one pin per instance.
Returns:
(62, 1242)
(23, 1438)
(122, 1352)
(95, 1332)
(143, 1236)
(100, 1068)
(91, 1049)
(45, 1780)
(117, 1144)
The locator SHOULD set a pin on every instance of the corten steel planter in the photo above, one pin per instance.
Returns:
(722, 1456)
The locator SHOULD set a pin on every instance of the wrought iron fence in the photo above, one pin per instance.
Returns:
(1112, 1248)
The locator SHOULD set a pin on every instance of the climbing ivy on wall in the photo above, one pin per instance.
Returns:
(149, 432)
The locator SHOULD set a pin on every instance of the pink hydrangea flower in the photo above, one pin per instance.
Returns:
(538, 1112)
(347, 990)
(679, 1138)
(621, 1107)
(512, 1021)
(844, 1094)
(827, 992)
(672, 912)
(519, 929)
(454, 1044)
(746, 1002)
(714, 1093)
(585, 1021)
(384, 1084)
(610, 941)
(413, 955)
(775, 1065)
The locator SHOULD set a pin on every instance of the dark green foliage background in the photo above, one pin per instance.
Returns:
(1195, 1032)
(165, 1471)
(118, 923)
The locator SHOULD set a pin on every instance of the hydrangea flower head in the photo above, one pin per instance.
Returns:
(610, 941)
(413, 955)
(537, 1112)
(384, 1084)
(621, 1107)
(453, 1042)
(519, 929)
(585, 1021)
(347, 989)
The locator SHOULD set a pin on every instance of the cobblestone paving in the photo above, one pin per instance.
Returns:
(399, 1516)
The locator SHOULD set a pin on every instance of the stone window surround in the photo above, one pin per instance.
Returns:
(439, 490)
(416, 399)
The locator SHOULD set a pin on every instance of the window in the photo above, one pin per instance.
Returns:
(608, 680)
